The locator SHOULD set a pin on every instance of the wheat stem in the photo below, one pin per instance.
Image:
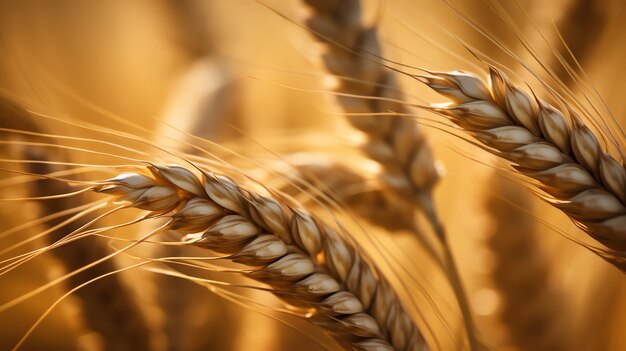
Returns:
(397, 143)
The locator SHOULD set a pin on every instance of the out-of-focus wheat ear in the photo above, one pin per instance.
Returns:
(109, 306)
(397, 143)
(202, 104)
(353, 187)
(552, 146)
(308, 263)
(532, 310)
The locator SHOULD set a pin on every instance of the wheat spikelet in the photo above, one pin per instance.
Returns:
(109, 307)
(533, 312)
(308, 263)
(581, 179)
(396, 142)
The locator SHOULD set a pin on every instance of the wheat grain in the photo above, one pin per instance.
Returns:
(308, 263)
(581, 179)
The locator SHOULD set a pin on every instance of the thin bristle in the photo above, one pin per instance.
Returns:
(109, 308)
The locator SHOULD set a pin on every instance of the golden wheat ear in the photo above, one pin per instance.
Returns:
(307, 263)
(578, 175)
(397, 143)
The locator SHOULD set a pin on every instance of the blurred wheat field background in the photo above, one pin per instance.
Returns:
(253, 80)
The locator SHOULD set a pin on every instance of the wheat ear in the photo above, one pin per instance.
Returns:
(580, 178)
(533, 312)
(396, 143)
(307, 263)
(109, 307)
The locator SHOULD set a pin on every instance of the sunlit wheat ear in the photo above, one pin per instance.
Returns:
(308, 263)
(580, 178)
(533, 311)
(397, 143)
(108, 308)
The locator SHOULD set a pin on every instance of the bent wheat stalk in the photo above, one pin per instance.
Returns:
(309, 264)
(578, 175)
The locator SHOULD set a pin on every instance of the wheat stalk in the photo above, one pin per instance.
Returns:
(580, 178)
(201, 103)
(578, 40)
(308, 263)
